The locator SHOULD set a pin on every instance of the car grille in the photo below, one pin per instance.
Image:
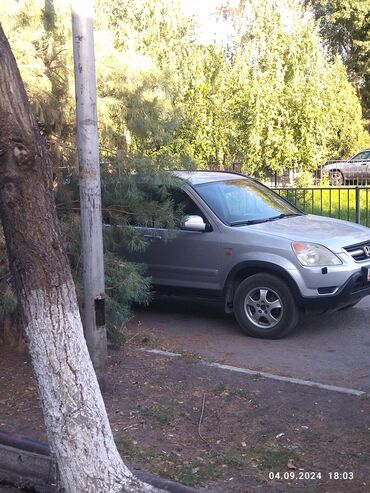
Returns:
(359, 252)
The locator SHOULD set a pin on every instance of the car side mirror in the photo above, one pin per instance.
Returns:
(193, 223)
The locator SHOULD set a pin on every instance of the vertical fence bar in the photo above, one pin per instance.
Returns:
(321, 201)
(312, 199)
(339, 207)
(348, 204)
(367, 207)
(358, 205)
(329, 202)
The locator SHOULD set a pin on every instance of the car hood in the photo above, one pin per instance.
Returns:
(333, 233)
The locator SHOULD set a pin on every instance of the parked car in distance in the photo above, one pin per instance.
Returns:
(268, 262)
(356, 169)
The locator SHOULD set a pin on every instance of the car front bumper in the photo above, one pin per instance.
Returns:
(355, 288)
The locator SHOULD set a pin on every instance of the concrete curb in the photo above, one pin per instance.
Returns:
(26, 463)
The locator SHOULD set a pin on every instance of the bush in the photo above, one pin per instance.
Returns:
(305, 179)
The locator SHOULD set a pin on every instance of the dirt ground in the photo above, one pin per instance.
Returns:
(211, 428)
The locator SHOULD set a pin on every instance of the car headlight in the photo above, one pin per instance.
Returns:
(312, 254)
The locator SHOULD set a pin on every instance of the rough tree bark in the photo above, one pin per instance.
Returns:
(78, 429)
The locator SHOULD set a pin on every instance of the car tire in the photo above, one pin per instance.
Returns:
(336, 178)
(264, 307)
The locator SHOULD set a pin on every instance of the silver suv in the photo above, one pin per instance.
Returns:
(266, 260)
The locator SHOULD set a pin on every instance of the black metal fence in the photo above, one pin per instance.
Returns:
(353, 172)
(348, 203)
(288, 178)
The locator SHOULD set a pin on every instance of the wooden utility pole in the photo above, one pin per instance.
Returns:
(90, 190)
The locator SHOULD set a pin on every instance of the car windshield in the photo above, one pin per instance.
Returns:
(244, 201)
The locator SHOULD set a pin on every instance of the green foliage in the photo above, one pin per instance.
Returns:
(8, 303)
(8, 300)
(345, 27)
(305, 179)
(125, 284)
(272, 99)
(294, 108)
(127, 199)
(275, 460)
(140, 196)
(163, 414)
(206, 130)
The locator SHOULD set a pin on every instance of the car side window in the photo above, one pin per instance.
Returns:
(362, 155)
(185, 205)
(174, 199)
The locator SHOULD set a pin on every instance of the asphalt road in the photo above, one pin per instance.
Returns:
(330, 348)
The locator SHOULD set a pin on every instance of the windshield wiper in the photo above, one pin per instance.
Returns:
(242, 222)
(282, 216)
(246, 222)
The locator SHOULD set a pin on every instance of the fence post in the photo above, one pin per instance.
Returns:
(357, 205)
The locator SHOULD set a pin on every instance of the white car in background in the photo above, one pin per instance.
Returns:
(355, 170)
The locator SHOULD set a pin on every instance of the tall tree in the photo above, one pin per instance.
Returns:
(345, 27)
(288, 96)
(78, 429)
(206, 128)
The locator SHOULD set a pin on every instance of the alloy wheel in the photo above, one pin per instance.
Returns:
(263, 307)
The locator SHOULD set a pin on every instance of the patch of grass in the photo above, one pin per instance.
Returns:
(189, 475)
(232, 460)
(131, 450)
(241, 393)
(219, 389)
(257, 376)
(199, 471)
(127, 447)
(163, 414)
(231, 393)
(275, 460)
(192, 473)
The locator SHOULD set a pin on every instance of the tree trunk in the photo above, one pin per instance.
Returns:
(78, 429)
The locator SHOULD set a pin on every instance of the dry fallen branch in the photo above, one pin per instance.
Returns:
(201, 419)
(200, 424)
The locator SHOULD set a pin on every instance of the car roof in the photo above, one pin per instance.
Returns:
(363, 150)
(199, 177)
